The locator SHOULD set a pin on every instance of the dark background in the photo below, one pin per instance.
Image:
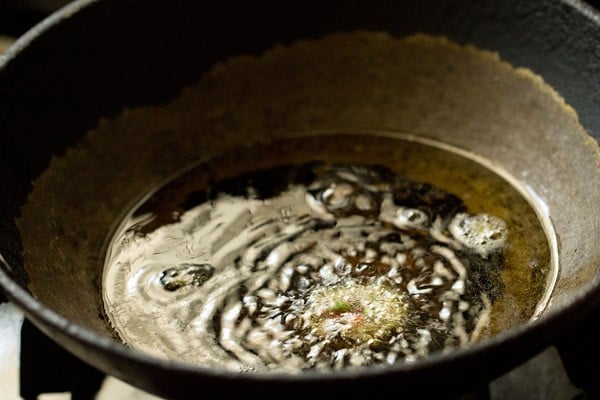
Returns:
(17, 16)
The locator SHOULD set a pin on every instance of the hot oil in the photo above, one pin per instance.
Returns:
(326, 252)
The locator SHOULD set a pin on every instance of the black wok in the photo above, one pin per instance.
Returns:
(80, 69)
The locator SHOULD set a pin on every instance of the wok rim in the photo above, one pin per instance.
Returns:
(539, 333)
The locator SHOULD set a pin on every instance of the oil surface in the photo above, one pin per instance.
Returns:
(325, 252)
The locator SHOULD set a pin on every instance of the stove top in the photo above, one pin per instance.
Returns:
(543, 377)
(12, 326)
